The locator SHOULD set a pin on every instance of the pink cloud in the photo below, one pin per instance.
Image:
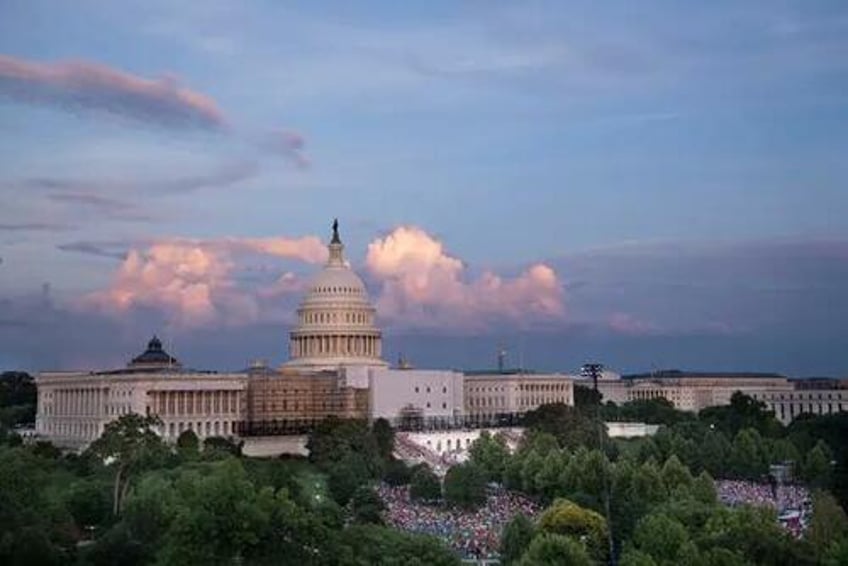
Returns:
(85, 85)
(193, 282)
(423, 285)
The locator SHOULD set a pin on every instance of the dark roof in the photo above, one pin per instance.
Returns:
(512, 371)
(153, 369)
(154, 355)
(677, 374)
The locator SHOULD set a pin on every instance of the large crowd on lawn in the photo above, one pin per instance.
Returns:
(473, 534)
(792, 502)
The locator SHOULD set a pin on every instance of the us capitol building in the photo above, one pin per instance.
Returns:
(336, 368)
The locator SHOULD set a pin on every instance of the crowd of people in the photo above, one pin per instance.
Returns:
(792, 502)
(473, 534)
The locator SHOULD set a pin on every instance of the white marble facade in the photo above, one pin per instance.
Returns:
(74, 407)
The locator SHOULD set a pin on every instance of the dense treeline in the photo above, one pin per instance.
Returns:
(648, 501)
(192, 504)
(17, 401)
(656, 496)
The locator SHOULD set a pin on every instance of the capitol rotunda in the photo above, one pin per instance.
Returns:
(336, 321)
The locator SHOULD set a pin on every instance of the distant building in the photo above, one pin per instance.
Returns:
(689, 391)
(814, 396)
(492, 395)
(74, 407)
(695, 391)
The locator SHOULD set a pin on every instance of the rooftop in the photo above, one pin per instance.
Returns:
(154, 357)
(677, 374)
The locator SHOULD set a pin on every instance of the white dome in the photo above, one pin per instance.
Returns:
(336, 322)
(336, 283)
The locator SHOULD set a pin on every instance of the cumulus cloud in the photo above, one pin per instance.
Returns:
(84, 85)
(423, 285)
(193, 281)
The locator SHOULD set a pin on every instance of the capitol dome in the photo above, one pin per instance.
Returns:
(336, 321)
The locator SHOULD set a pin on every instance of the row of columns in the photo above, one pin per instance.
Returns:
(170, 403)
(338, 345)
(78, 401)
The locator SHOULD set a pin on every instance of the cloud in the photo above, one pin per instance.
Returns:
(424, 286)
(225, 176)
(290, 145)
(194, 283)
(624, 323)
(114, 250)
(108, 207)
(84, 85)
(35, 227)
(97, 193)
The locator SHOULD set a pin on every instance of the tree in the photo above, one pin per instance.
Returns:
(516, 537)
(652, 411)
(567, 518)
(384, 437)
(661, 537)
(675, 475)
(465, 486)
(34, 525)
(754, 534)
(836, 554)
(703, 488)
(747, 455)
(829, 524)
(424, 485)
(817, 465)
(18, 399)
(379, 546)
(88, 503)
(586, 398)
(333, 439)
(366, 506)
(490, 454)
(569, 426)
(217, 447)
(714, 453)
(555, 550)
(742, 412)
(128, 444)
(396, 472)
(345, 476)
(188, 446)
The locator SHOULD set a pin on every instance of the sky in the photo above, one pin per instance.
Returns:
(645, 184)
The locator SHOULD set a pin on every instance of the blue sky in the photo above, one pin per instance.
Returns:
(651, 153)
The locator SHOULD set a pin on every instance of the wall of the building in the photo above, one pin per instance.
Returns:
(281, 400)
(435, 394)
(74, 408)
(787, 405)
(515, 394)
